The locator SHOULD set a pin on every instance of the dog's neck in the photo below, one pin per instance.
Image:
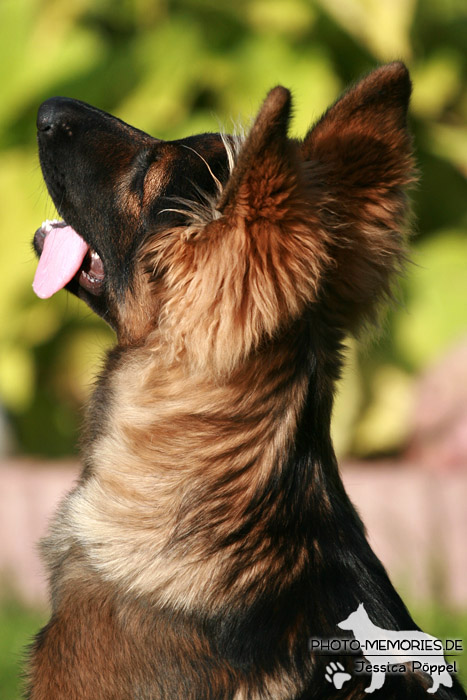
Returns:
(196, 486)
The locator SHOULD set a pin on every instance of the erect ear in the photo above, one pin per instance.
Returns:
(237, 277)
(264, 157)
(359, 161)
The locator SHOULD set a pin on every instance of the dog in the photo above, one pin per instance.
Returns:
(209, 536)
(391, 648)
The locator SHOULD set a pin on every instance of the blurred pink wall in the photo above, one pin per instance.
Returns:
(416, 521)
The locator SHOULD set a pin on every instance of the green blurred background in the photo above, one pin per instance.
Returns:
(175, 67)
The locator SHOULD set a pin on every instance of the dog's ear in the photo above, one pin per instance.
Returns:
(251, 266)
(296, 225)
(262, 162)
(359, 162)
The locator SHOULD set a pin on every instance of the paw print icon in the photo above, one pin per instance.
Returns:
(336, 674)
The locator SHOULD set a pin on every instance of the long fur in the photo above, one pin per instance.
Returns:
(209, 536)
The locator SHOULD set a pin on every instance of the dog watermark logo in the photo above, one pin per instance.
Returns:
(387, 651)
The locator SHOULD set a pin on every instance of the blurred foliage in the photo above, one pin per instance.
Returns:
(174, 67)
(18, 625)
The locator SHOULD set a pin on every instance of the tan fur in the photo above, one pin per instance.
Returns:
(127, 515)
(210, 481)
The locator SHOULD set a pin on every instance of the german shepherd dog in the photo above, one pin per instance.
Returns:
(209, 537)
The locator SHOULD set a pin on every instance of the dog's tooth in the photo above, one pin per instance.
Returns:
(49, 224)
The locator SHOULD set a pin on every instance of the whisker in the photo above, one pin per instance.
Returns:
(216, 179)
(204, 210)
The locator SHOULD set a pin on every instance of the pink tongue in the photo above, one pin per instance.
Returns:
(60, 260)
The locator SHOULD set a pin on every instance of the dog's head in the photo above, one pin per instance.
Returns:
(221, 243)
(115, 186)
(355, 620)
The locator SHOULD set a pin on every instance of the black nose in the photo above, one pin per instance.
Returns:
(47, 115)
(57, 111)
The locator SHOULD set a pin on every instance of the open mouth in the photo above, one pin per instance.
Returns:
(65, 256)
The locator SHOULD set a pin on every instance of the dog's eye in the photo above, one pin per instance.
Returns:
(137, 184)
(140, 167)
